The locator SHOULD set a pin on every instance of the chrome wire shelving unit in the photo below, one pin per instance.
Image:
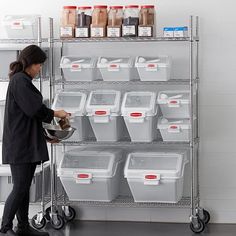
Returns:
(199, 217)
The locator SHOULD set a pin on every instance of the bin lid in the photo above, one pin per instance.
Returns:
(100, 163)
(72, 102)
(103, 103)
(139, 104)
(153, 62)
(18, 20)
(115, 62)
(174, 97)
(151, 165)
(77, 63)
(173, 124)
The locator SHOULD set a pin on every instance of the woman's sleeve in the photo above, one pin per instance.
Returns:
(30, 101)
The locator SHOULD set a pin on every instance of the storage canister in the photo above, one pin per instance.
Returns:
(115, 19)
(131, 21)
(146, 21)
(84, 20)
(99, 21)
(68, 22)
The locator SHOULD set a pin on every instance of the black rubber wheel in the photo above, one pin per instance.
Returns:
(38, 225)
(207, 217)
(199, 229)
(59, 224)
(48, 212)
(71, 216)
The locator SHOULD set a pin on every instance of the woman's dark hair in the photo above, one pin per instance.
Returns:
(28, 56)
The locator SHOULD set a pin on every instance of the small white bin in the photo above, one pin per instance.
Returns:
(2, 111)
(103, 110)
(91, 175)
(139, 110)
(115, 69)
(21, 26)
(78, 68)
(174, 129)
(36, 186)
(174, 104)
(74, 103)
(156, 176)
(154, 68)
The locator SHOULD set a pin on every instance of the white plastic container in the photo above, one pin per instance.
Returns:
(91, 175)
(21, 26)
(115, 69)
(174, 129)
(103, 110)
(2, 111)
(140, 114)
(153, 68)
(78, 68)
(36, 186)
(74, 103)
(174, 104)
(156, 176)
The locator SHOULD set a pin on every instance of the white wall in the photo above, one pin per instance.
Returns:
(218, 94)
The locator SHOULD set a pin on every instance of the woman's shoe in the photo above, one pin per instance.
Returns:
(29, 231)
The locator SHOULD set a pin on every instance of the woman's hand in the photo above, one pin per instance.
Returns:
(61, 114)
(52, 141)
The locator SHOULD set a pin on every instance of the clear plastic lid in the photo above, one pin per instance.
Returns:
(173, 97)
(76, 63)
(160, 61)
(18, 20)
(103, 102)
(135, 102)
(73, 102)
(166, 164)
(115, 62)
(173, 125)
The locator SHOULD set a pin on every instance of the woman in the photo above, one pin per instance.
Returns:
(24, 143)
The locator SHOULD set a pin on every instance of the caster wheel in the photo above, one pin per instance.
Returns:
(71, 215)
(48, 213)
(36, 224)
(199, 229)
(59, 224)
(207, 217)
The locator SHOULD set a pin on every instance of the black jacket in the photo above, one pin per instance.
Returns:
(23, 138)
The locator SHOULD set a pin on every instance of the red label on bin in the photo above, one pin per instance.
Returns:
(151, 65)
(136, 114)
(173, 102)
(113, 66)
(150, 177)
(16, 23)
(174, 127)
(100, 113)
(83, 176)
(75, 66)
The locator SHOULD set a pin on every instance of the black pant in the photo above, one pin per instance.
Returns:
(17, 202)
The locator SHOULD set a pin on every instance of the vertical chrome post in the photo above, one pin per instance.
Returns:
(51, 66)
(39, 41)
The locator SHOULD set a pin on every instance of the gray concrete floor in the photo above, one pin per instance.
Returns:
(89, 228)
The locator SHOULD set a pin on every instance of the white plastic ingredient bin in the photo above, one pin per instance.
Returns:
(21, 26)
(174, 129)
(156, 176)
(78, 68)
(36, 186)
(2, 111)
(153, 68)
(74, 103)
(91, 175)
(139, 110)
(115, 69)
(103, 110)
(174, 104)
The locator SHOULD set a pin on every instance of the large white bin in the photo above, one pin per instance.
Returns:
(78, 68)
(174, 104)
(156, 176)
(74, 103)
(115, 69)
(175, 130)
(139, 110)
(36, 186)
(21, 26)
(153, 68)
(103, 110)
(2, 111)
(91, 175)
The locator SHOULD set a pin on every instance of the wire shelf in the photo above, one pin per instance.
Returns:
(6, 79)
(21, 41)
